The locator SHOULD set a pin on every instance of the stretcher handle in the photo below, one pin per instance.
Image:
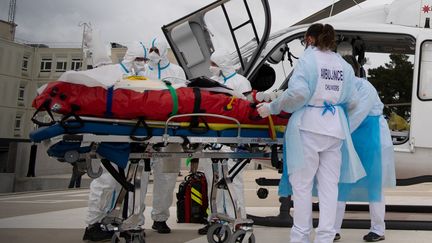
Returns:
(141, 120)
(202, 114)
(44, 106)
(75, 123)
(198, 129)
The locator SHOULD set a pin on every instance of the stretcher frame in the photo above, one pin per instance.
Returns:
(126, 224)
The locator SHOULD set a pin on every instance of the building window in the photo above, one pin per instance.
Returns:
(76, 64)
(46, 64)
(18, 119)
(21, 92)
(25, 62)
(61, 65)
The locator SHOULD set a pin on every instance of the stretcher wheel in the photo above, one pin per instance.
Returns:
(219, 233)
(135, 236)
(262, 193)
(115, 239)
(239, 235)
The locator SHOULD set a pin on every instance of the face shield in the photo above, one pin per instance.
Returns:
(223, 60)
(214, 69)
(136, 51)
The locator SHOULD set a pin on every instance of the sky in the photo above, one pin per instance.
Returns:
(56, 22)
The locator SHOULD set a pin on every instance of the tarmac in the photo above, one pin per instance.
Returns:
(58, 215)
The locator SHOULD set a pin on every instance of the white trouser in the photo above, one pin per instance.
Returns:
(224, 204)
(376, 212)
(104, 191)
(322, 158)
(102, 196)
(163, 189)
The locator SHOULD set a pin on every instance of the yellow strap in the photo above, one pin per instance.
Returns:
(196, 192)
(136, 78)
(196, 199)
(272, 128)
(229, 106)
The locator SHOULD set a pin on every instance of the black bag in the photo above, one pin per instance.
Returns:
(192, 199)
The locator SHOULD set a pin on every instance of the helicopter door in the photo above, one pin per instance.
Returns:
(191, 42)
(421, 118)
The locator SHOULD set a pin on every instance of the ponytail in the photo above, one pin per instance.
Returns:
(327, 40)
(324, 35)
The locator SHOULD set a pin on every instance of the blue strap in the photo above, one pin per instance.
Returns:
(124, 68)
(145, 50)
(327, 107)
(110, 94)
(160, 69)
(230, 76)
(153, 42)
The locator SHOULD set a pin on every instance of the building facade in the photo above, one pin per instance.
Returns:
(23, 69)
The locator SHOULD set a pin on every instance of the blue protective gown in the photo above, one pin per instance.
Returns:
(372, 141)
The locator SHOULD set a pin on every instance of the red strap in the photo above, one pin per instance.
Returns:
(187, 204)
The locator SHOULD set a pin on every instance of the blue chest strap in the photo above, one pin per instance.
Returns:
(229, 76)
(160, 69)
(125, 70)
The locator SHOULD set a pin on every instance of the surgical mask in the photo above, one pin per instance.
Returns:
(154, 57)
(215, 70)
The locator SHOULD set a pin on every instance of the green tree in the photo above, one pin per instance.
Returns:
(393, 81)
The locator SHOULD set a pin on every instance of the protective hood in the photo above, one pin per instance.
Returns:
(95, 48)
(134, 50)
(223, 59)
(163, 53)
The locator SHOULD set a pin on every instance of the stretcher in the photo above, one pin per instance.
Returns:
(130, 144)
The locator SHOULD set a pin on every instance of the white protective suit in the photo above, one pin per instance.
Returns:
(95, 49)
(103, 190)
(317, 140)
(159, 67)
(226, 74)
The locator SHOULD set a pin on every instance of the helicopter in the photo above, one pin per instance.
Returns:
(373, 35)
(402, 27)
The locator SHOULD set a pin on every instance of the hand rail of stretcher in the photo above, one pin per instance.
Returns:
(165, 136)
(161, 124)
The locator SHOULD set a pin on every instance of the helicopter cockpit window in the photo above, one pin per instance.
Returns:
(282, 60)
(386, 60)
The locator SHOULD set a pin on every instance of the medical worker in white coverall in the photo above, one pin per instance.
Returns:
(159, 67)
(104, 189)
(373, 143)
(223, 71)
(317, 133)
